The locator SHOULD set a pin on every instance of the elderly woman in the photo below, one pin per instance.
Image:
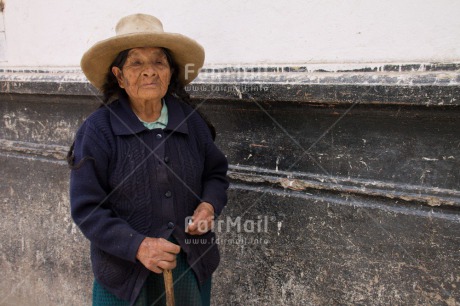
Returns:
(146, 175)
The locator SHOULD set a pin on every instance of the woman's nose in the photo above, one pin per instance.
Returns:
(149, 70)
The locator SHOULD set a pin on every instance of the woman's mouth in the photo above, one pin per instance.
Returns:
(152, 84)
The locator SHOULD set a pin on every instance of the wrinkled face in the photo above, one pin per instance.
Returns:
(145, 75)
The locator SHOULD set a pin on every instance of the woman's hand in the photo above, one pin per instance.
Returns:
(202, 220)
(157, 254)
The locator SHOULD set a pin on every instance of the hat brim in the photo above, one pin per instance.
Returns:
(185, 51)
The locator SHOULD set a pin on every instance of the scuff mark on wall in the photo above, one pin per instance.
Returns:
(428, 195)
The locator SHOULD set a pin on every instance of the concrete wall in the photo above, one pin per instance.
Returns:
(355, 185)
(340, 120)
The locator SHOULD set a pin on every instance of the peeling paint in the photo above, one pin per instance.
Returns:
(52, 151)
(429, 196)
(279, 225)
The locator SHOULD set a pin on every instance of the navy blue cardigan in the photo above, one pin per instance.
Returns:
(135, 183)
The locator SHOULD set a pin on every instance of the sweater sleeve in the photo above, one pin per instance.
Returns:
(89, 194)
(214, 178)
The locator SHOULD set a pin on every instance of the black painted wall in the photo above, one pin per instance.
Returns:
(346, 191)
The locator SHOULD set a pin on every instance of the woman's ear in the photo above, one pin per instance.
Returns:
(119, 75)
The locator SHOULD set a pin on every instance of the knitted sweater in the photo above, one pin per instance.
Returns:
(134, 183)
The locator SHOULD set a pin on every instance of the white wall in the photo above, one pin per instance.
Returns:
(2, 38)
(57, 32)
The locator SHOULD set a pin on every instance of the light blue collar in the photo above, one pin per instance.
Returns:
(161, 122)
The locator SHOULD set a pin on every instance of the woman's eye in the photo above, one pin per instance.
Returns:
(135, 63)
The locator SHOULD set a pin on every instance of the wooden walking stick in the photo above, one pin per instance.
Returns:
(169, 287)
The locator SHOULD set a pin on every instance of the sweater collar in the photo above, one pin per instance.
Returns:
(125, 122)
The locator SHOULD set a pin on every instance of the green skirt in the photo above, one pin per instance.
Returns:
(186, 289)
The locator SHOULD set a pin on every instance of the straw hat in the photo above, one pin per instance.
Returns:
(140, 30)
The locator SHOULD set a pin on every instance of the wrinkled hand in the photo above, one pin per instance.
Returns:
(203, 219)
(157, 254)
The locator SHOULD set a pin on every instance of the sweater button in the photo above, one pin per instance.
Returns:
(168, 194)
(166, 159)
(171, 225)
(158, 136)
